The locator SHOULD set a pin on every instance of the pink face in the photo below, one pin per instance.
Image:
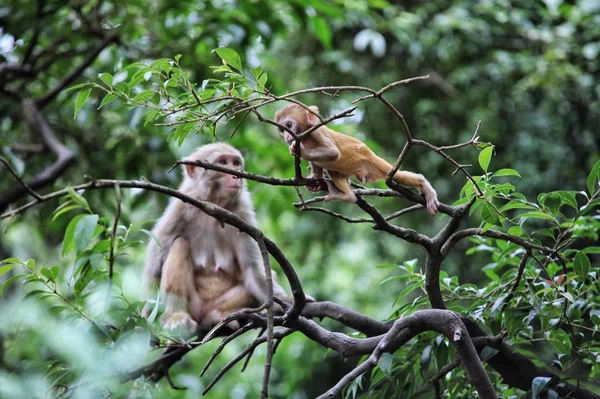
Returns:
(230, 183)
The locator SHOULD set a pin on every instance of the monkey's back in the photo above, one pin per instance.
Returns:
(355, 157)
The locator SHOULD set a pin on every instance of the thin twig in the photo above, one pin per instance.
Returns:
(16, 175)
(113, 233)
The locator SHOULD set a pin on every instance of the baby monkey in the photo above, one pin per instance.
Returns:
(342, 156)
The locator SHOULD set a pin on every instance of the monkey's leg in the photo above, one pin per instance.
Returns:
(232, 300)
(419, 181)
(339, 182)
(176, 286)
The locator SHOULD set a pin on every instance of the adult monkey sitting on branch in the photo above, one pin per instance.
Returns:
(342, 156)
(207, 270)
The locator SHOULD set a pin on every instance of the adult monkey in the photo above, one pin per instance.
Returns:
(207, 270)
(342, 156)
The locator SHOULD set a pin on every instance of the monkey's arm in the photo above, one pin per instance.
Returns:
(177, 286)
(159, 246)
(321, 149)
(316, 172)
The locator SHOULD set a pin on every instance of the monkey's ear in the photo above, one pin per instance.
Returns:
(190, 170)
(311, 117)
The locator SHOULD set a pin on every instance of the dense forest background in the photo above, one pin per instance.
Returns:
(527, 70)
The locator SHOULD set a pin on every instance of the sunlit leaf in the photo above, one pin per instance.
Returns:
(230, 57)
(80, 100)
(485, 157)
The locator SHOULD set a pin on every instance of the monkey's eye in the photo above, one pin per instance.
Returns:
(222, 161)
(288, 125)
(236, 162)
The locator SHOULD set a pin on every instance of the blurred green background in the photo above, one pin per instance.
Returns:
(527, 69)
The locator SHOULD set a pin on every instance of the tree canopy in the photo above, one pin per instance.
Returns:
(495, 102)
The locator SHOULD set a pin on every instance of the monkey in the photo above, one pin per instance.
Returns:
(207, 270)
(342, 156)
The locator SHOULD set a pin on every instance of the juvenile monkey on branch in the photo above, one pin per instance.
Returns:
(207, 270)
(342, 156)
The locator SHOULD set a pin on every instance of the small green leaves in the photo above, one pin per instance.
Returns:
(593, 178)
(80, 100)
(485, 157)
(581, 265)
(230, 57)
(560, 340)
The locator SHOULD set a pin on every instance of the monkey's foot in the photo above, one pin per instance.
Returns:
(319, 184)
(432, 205)
(349, 198)
(179, 324)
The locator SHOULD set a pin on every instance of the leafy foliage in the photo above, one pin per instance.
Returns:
(526, 70)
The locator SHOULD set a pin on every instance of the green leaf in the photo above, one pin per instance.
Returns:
(568, 199)
(77, 198)
(321, 30)
(107, 99)
(84, 231)
(262, 81)
(385, 362)
(489, 214)
(514, 204)
(593, 177)
(106, 78)
(64, 210)
(581, 265)
(230, 57)
(7, 268)
(79, 86)
(69, 239)
(537, 386)
(560, 340)
(497, 306)
(538, 215)
(485, 157)
(8, 282)
(80, 100)
(144, 95)
(515, 231)
(506, 172)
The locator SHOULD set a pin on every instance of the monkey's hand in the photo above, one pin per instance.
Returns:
(179, 324)
(292, 148)
(319, 185)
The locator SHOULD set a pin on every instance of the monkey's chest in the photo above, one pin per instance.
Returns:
(213, 250)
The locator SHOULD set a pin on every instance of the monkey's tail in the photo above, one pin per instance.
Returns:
(401, 177)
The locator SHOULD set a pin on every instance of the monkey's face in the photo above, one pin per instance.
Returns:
(225, 183)
(293, 125)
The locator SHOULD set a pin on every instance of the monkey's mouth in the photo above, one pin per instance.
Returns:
(232, 188)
